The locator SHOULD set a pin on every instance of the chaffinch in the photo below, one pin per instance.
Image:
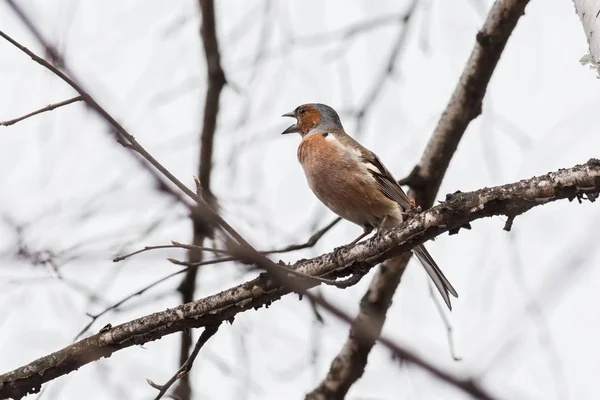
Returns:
(352, 182)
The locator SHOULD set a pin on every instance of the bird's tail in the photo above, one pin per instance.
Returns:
(435, 273)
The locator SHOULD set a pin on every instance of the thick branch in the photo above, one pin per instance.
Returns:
(458, 210)
(466, 101)
(425, 180)
(348, 366)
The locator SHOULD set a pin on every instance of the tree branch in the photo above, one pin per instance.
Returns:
(57, 63)
(185, 368)
(49, 107)
(466, 101)
(122, 135)
(581, 181)
(201, 230)
(425, 180)
(363, 329)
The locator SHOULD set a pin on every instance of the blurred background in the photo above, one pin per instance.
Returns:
(71, 198)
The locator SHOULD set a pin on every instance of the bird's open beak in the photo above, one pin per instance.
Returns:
(292, 128)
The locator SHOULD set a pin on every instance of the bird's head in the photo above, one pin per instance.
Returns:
(313, 117)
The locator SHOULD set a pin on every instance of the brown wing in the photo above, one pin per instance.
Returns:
(389, 186)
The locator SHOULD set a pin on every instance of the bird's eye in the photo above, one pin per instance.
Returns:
(301, 111)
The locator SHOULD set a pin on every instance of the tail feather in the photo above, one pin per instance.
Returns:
(435, 273)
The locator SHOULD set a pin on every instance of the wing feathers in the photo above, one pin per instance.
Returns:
(387, 183)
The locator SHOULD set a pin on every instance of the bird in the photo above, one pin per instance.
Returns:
(352, 181)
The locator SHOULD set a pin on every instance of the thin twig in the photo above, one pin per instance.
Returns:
(174, 245)
(309, 243)
(390, 66)
(442, 313)
(49, 107)
(208, 332)
(129, 141)
(139, 292)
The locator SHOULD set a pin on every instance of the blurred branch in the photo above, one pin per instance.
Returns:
(49, 107)
(390, 66)
(141, 291)
(201, 230)
(449, 331)
(369, 333)
(208, 332)
(118, 131)
(122, 135)
(343, 35)
(349, 365)
(579, 182)
(465, 104)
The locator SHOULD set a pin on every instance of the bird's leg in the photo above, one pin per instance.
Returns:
(414, 209)
(368, 230)
(382, 224)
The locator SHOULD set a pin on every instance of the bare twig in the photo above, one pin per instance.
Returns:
(458, 209)
(57, 59)
(174, 245)
(139, 292)
(124, 137)
(390, 66)
(49, 107)
(449, 331)
(425, 181)
(208, 332)
(309, 243)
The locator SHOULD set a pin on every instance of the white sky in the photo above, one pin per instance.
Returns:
(526, 319)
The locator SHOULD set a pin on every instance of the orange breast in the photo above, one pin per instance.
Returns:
(342, 182)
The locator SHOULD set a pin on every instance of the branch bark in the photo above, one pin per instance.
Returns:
(425, 180)
(216, 82)
(459, 209)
